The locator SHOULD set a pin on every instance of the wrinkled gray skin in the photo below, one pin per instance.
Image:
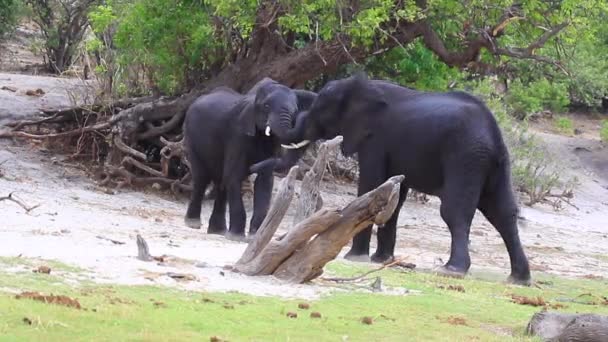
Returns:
(446, 144)
(225, 133)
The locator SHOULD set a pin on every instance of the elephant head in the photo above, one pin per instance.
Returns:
(271, 108)
(343, 107)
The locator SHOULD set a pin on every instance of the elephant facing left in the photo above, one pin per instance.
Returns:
(225, 133)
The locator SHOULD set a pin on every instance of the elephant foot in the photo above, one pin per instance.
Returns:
(382, 258)
(451, 272)
(212, 229)
(238, 237)
(518, 280)
(355, 257)
(194, 223)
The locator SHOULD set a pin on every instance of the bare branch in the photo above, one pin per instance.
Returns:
(21, 204)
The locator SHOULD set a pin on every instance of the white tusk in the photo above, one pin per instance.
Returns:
(294, 146)
(267, 131)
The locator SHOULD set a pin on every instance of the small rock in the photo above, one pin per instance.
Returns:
(367, 320)
(43, 269)
(292, 315)
(578, 131)
(156, 186)
(304, 306)
(158, 220)
(315, 314)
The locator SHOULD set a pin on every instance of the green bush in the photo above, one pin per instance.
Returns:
(604, 132)
(171, 44)
(8, 16)
(526, 99)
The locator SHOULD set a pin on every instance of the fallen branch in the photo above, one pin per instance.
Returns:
(296, 258)
(21, 204)
(79, 131)
(130, 161)
(365, 274)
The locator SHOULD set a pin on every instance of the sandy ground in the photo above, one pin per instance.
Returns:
(75, 218)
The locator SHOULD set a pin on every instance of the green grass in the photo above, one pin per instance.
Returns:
(564, 125)
(132, 313)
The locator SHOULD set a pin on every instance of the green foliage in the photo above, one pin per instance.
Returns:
(532, 97)
(414, 66)
(564, 125)
(604, 131)
(63, 24)
(8, 15)
(173, 43)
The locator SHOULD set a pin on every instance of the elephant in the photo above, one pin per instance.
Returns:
(225, 133)
(446, 144)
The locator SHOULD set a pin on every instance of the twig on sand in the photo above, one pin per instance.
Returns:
(363, 275)
(21, 204)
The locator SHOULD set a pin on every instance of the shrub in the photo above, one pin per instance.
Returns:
(8, 16)
(526, 99)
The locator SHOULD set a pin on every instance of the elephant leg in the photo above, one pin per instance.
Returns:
(200, 181)
(459, 200)
(500, 208)
(238, 215)
(217, 221)
(372, 173)
(387, 234)
(262, 192)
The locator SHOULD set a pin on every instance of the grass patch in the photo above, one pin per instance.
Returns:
(604, 131)
(482, 311)
(564, 125)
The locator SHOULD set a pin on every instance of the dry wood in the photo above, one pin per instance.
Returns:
(143, 253)
(557, 326)
(78, 131)
(273, 218)
(365, 274)
(21, 204)
(375, 206)
(278, 251)
(128, 150)
(310, 194)
(130, 161)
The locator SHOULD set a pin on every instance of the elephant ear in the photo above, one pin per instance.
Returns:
(245, 116)
(366, 102)
(305, 98)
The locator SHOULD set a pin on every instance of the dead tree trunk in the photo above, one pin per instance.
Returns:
(311, 200)
(301, 254)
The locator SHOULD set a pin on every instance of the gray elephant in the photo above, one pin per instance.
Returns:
(225, 133)
(446, 144)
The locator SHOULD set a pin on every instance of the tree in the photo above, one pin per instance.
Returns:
(8, 17)
(63, 24)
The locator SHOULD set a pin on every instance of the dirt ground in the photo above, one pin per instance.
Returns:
(76, 219)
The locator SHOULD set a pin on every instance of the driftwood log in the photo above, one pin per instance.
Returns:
(300, 255)
(566, 327)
